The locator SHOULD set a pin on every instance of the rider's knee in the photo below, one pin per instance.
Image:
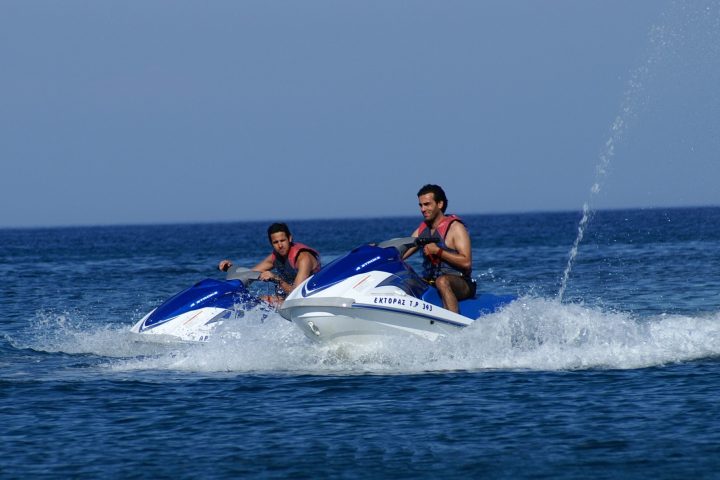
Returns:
(443, 283)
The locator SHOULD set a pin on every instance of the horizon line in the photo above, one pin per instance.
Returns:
(348, 217)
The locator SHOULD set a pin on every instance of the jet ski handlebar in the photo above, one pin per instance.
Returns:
(402, 244)
(244, 274)
(422, 241)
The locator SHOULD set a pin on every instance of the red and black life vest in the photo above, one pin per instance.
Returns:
(433, 266)
(286, 267)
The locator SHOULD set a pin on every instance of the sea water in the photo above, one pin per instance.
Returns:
(620, 379)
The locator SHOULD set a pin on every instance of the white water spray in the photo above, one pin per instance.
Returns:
(530, 334)
(661, 38)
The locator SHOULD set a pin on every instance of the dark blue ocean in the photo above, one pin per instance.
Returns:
(620, 379)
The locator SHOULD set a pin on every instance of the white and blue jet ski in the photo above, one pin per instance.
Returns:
(371, 293)
(194, 313)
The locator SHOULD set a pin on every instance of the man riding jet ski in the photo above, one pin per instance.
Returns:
(447, 259)
(288, 265)
(371, 292)
(196, 312)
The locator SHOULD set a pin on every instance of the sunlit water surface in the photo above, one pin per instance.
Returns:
(619, 379)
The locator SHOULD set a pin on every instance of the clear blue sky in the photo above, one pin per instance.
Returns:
(116, 112)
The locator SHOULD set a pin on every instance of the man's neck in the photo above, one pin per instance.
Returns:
(434, 224)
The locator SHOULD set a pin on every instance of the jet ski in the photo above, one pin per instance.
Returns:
(194, 313)
(371, 293)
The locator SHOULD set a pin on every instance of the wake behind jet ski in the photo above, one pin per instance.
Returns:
(194, 313)
(371, 293)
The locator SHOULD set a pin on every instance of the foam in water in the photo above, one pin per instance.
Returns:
(532, 333)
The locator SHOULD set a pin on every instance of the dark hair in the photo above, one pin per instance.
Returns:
(438, 194)
(277, 228)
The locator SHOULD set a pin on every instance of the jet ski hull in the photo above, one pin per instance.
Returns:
(196, 312)
(389, 301)
(337, 318)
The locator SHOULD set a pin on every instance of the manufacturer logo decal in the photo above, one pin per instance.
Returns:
(372, 260)
(203, 299)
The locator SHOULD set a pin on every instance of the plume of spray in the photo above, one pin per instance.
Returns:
(661, 38)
